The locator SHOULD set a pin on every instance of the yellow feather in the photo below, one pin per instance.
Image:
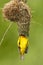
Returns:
(23, 43)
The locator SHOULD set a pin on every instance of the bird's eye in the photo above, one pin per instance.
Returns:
(26, 50)
(19, 43)
(19, 46)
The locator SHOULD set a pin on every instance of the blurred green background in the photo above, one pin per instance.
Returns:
(8, 49)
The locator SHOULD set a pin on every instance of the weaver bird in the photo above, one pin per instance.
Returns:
(23, 43)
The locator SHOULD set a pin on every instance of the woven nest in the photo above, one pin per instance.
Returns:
(14, 11)
(19, 12)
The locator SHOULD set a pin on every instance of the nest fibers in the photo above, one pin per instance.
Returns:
(19, 12)
(21, 0)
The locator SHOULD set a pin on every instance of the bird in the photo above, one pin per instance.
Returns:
(23, 46)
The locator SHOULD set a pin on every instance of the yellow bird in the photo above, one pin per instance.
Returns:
(23, 43)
